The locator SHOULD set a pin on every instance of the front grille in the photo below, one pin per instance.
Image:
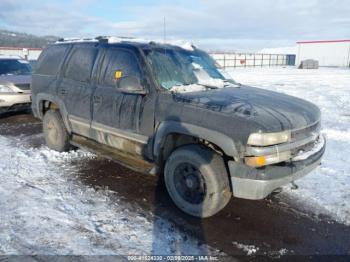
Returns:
(306, 132)
(23, 86)
(304, 148)
(302, 133)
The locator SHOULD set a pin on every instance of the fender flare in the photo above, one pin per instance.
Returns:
(59, 102)
(169, 127)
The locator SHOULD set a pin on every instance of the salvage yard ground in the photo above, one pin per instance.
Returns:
(77, 203)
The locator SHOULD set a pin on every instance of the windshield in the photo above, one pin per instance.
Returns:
(180, 67)
(14, 67)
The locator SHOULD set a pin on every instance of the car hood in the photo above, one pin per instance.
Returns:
(15, 79)
(271, 111)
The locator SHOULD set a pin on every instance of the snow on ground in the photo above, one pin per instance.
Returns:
(249, 249)
(327, 189)
(45, 210)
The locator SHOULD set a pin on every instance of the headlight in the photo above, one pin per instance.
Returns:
(268, 139)
(5, 89)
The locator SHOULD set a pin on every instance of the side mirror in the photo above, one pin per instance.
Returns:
(130, 84)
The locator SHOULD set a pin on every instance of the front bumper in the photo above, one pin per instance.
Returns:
(258, 183)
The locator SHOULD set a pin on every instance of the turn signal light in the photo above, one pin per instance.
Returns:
(256, 161)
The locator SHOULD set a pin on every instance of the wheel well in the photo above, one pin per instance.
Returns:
(175, 140)
(47, 105)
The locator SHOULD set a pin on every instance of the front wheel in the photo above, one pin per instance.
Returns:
(197, 180)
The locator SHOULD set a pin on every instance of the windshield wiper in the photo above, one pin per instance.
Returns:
(209, 86)
(232, 82)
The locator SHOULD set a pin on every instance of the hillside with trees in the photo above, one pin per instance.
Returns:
(15, 39)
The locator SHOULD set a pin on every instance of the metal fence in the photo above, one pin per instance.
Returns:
(227, 60)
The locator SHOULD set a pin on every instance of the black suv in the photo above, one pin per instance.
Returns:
(165, 109)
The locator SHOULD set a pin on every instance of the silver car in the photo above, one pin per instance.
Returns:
(15, 78)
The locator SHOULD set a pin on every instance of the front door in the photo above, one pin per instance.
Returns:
(116, 114)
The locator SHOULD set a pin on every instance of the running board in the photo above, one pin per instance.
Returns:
(128, 160)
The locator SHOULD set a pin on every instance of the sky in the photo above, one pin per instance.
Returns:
(248, 25)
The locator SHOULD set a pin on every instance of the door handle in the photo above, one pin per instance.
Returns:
(97, 99)
(63, 91)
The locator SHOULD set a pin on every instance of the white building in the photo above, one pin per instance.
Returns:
(327, 53)
(26, 53)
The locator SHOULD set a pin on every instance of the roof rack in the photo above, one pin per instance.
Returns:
(104, 39)
(75, 40)
(120, 39)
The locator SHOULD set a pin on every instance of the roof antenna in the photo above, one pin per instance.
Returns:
(164, 32)
(164, 35)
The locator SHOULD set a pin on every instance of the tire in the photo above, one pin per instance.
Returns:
(55, 132)
(197, 180)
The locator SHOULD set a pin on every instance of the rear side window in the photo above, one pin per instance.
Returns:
(50, 60)
(119, 60)
(80, 64)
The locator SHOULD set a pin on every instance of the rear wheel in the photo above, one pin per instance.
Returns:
(55, 132)
(197, 180)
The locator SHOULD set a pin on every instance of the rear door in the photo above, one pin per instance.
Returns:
(116, 114)
(76, 87)
(45, 76)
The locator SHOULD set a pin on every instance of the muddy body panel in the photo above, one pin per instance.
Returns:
(110, 94)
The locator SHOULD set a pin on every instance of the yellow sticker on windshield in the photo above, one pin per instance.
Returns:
(118, 74)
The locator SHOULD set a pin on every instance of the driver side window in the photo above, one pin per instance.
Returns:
(122, 61)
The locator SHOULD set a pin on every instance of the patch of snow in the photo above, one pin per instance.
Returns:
(23, 61)
(189, 46)
(206, 80)
(327, 189)
(339, 135)
(76, 40)
(225, 74)
(305, 155)
(197, 66)
(116, 39)
(180, 43)
(277, 254)
(249, 249)
(187, 88)
(283, 251)
(46, 210)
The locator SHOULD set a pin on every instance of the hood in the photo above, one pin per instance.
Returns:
(271, 111)
(15, 79)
